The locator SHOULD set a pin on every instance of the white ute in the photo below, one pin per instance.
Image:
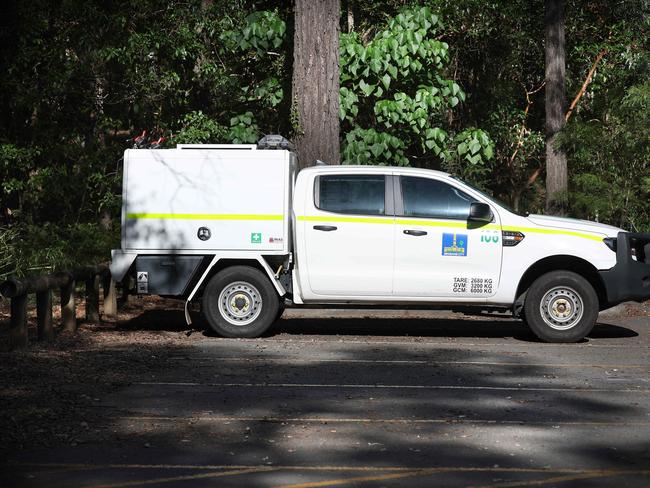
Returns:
(238, 230)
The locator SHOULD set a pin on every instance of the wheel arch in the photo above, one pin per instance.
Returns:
(562, 263)
(219, 263)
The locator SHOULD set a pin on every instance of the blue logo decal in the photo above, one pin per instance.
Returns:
(454, 244)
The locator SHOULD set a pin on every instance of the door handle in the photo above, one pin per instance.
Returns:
(325, 228)
(409, 232)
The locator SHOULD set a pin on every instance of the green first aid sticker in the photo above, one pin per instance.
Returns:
(256, 237)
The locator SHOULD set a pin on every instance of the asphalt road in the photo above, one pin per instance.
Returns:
(375, 399)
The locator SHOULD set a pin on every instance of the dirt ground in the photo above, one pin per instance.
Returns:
(48, 390)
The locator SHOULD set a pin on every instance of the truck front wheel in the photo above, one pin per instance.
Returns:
(240, 302)
(561, 306)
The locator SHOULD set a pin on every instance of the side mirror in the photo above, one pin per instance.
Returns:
(480, 212)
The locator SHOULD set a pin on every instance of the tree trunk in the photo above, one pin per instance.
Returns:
(350, 9)
(315, 85)
(556, 164)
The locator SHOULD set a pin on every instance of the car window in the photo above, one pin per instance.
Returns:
(429, 198)
(352, 194)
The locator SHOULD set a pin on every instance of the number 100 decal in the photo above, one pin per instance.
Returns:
(476, 286)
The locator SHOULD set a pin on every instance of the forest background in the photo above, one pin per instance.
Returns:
(456, 85)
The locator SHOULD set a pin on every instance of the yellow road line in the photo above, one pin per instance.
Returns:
(395, 472)
(356, 479)
(188, 216)
(429, 471)
(560, 479)
(154, 481)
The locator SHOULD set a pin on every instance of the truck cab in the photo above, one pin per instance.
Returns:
(351, 236)
(386, 234)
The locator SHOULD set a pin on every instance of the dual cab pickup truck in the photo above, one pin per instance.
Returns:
(237, 229)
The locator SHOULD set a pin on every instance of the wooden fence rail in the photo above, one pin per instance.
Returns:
(18, 291)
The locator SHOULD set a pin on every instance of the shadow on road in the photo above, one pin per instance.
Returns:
(426, 327)
(372, 324)
(156, 320)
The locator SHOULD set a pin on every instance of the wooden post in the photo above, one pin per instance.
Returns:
(92, 299)
(44, 315)
(126, 284)
(68, 310)
(110, 296)
(18, 325)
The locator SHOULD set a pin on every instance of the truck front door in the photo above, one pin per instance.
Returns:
(438, 252)
(348, 235)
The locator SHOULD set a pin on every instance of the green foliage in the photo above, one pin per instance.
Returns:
(269, 92)
(611, 158)
(9, 261)
(474, 145)
(17, 172)
(243, 129)
(519, 155)
(262, 31)
(469, 156)
(395, 81)
(198, 128)
(608, 139)
(367, 146)
(249, 46)
(407, 47)
(35, 249)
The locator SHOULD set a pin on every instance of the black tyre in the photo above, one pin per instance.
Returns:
(524, 319)
(240, 302)
(279, 314)
(561, 306)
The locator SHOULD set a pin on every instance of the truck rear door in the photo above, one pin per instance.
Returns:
(347, 232)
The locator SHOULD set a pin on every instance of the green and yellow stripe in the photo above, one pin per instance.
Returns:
(448, 224)
(536, 230)
(187, 216)
(359, 220)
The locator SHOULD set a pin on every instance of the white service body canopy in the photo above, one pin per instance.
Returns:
(240, 195)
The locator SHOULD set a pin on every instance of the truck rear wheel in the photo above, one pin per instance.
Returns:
(240, 302)
(561, 306)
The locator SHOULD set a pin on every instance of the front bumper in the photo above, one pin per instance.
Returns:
(630, 278)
